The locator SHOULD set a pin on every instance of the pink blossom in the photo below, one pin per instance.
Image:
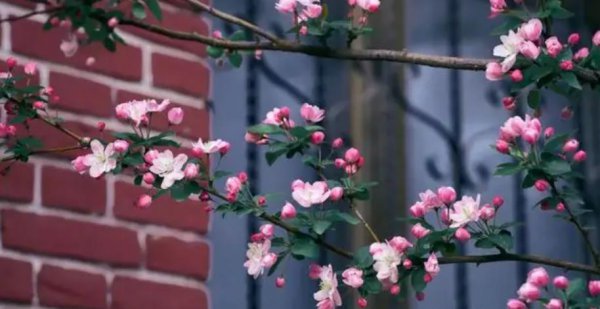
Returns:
(430, 200)
(497, 7)
(400, 243)
(336, 194)
(233, 185)
(529, 49)
(150, 155)
(531, 30)
(462, 234)
(509, 103)
(337, 143)
(580, 156)
(190, 171)
(554, 303)
(502, 146)
(353, 277)
(217, 34)
(259, 258)
(89, 61)
(418, 210)
(175, 115)
(314, 271)
(101, 160)
(571, 145)
(303, 30)
(498, 201)
(313, 10)
(509, 49)
(39, 105)
(566, 65)
(256, 138)
(487, 212)
(419, 231)
(574, 38)
(529, 292)
(561, 282)
(169, 167)
(267, 230)
(516, 76)
(493, 71)
(395, 289)
(369, 5)
(149, 178)
(280, 282)
(596, 38)
(209, 147)
(549, 132)
(560, 207)
(69, 47)
(387, 259)
(288, 211)
(285, 6)
(538, 277)
(317, 138)
(352, 155)
(594, 287)
(137, 111)
(362, 302)
(432, 266)
(339, 163)
(407, 264)
(581, 54)
(515, 304)
(11, 63)
(144, 201)
(553, 46)
(30, 68)
(79, 165)
(541, 185)
(276, 117)
(446, 195)
(328, 295)
(113, 22)
(312, 113)
(308, 194)
(121, 146)
(464, 211)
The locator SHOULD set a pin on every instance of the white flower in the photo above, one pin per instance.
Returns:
(387, 259)
(328, 295)
(69, 47)
(169, 168)
(307, 194)
(101, 160)
(209, 146)
(509, 49)
(137, 111)
(465, 211)
(259, 258)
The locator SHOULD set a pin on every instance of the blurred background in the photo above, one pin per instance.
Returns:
(68, 241)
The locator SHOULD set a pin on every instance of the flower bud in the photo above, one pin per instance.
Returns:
(11, 63)
(420, 296)
(502, 146)
(267, 230)
(337, 143)
(261, 200)
(362, 302)
(407, 264)
(566, 113)
(175, 116)
(516, 76)
(395, 289)
(509, 103)
(336, 194)
(144, 201)
(574, 38)
(317, 138)
(121, 146)
(561, 282)
(204, 196)
(243, 177)
(541, 185)
(498, 201)
(580, 156)
(100, 125)
(487, 212)
(462, 235)
(560, 207)
(149, 178)
(571, 145)
(39, 105)
(280, 282)
(339, 163)
(549, 132)
(566, 65)
(554, 303)
(288, 211)
(447, 195)
(538, 277)
(515, 304)
(90, 61)
(191, 171)
(113, 22)
(352, 155)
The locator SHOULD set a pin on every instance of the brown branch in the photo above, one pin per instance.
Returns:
(27, 15)
(234, 20)
(364, 222)
(45, 151)
(59, 127)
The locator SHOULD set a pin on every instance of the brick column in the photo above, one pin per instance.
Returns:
(73, 241)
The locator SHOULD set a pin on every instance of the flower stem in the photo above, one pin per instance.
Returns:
(365, 223)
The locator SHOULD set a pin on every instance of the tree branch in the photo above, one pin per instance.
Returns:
(27, 15)
(46, 151)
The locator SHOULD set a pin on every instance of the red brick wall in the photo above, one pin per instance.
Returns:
(73, 241)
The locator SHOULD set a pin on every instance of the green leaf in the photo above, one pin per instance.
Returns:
(533, 99)
(138, 10)
(321, 226)
(485, 243)
(371, 285)
(571, 79)
(506, 169)
(305, 247)
(576, 287)
(280, 259)
(555, 143)
(346, 217)
(503, 239)
(221, 174)
(238, 36)
(363, 258)
(235, 59)
(133, 159)
(272, 156)
(555, 166)
(154, 8)
(417, 280)
(265, 129)
(214, 52)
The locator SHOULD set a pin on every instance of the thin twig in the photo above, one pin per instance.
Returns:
(46, 151)
(59, 127)
(27, 15)
(234, 20)
(364, 222)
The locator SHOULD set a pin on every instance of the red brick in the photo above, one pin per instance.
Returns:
(81, 95)
(184, 21)
(187, 215)
(195, 122)
(67, 189)
(126, 63)
(60, 287)
(57, 236)
(169, 254)
(130, 293)
(17, 182)
(53, 138)
(190, 77)
(17, 280)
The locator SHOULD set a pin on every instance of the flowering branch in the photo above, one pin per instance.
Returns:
(46, 151)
